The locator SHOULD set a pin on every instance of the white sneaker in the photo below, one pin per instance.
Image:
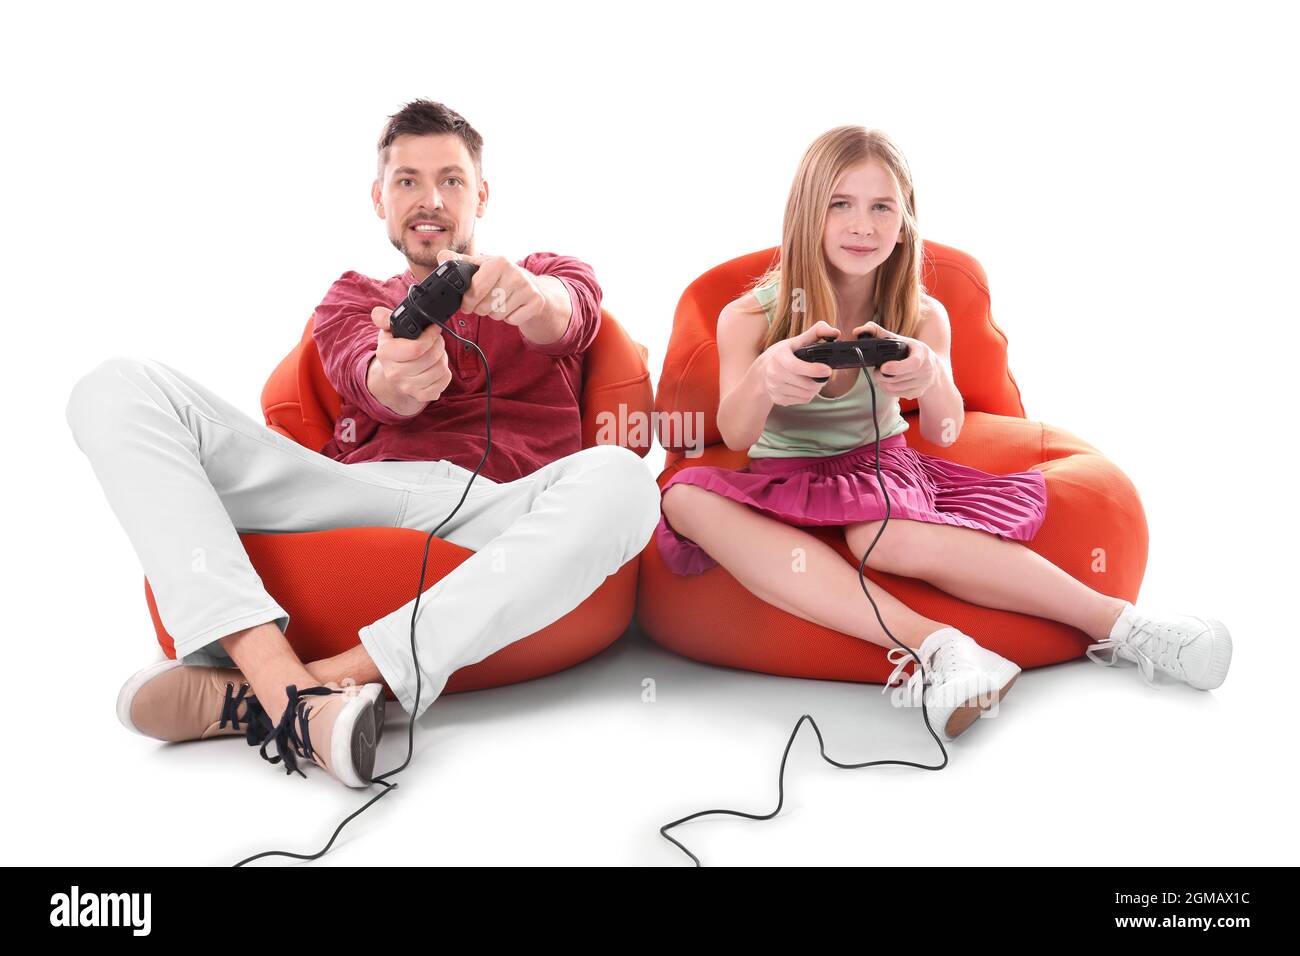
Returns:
(1196, 650)
(963, 681)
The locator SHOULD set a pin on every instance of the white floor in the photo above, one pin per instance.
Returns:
(1084, 765)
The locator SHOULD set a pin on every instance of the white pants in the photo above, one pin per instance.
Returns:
(186, 472)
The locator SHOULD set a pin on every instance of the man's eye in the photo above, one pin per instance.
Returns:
(453, 179)
(400, 181)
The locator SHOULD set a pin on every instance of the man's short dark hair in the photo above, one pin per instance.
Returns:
(427, 118)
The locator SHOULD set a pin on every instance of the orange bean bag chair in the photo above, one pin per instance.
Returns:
(297, 569)
(1095, 528)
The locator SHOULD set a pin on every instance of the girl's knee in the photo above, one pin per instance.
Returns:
(681, 501)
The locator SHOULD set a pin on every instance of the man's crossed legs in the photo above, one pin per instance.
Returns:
(186, 472)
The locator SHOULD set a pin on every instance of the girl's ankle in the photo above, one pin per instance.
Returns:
(1109, 620)
(937, 634)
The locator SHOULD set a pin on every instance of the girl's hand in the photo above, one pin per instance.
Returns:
(911, 377)
(789, 380)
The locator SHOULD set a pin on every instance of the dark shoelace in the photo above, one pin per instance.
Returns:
(291, 735)
(257, 724)
(381, 779)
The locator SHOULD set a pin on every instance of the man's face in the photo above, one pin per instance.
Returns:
(429, 196)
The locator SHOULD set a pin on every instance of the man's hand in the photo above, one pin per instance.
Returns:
(407, 374)
(500, 289)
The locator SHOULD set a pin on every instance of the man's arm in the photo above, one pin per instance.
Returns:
(549, 326)
(346, 337)
(383, 390)
(571, 320)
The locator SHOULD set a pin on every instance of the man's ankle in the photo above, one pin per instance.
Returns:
(322, 671)
(354, 663)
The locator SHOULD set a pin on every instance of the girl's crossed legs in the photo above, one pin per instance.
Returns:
(791, 569)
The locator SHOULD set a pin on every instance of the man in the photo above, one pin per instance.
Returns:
(186, 472)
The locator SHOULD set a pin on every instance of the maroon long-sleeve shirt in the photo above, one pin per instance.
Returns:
(536, 389)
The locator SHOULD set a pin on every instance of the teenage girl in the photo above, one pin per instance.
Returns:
(850, 262)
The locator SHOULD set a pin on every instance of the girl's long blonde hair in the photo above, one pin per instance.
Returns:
(802, 263)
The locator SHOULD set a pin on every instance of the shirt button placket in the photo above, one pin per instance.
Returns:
(468, 328)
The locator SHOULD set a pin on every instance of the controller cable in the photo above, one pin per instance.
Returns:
(413, 303)
(821, 742)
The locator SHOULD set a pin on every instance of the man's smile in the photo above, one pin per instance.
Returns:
(429, 227)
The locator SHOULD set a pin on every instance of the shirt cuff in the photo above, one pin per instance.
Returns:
(564, 345)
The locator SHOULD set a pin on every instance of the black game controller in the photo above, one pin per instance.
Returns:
(866, 351)
(435, 300)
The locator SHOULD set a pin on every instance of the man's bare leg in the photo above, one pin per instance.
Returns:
(264, 656)
(354, 662)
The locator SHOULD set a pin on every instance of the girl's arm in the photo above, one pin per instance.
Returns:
(751, 380)
(942, 410)
(745, 403)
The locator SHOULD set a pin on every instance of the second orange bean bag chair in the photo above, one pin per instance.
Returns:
(302, 571)
(1095, 527)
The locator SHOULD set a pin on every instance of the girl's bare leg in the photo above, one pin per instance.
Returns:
(984, 569)
(790, 569)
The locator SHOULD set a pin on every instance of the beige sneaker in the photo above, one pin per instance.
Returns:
(332, 726)
(171, 701)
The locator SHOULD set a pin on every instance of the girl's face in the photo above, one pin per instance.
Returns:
(864, 220)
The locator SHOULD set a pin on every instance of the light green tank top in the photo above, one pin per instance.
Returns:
(825, 426)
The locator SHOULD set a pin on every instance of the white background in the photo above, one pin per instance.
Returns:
(186, 184)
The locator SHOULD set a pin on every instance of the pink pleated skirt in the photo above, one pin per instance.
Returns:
(842, 489)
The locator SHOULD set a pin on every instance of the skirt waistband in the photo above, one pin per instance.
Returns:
(828, 464)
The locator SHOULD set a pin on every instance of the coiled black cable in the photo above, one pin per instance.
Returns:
(412, 302)
(821, 742)
(410, 730)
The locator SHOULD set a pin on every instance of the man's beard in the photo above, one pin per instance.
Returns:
(429, 257)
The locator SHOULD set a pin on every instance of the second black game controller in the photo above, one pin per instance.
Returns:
(433, 301)
(866, 351)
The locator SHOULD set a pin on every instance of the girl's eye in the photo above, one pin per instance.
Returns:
(839, 202)
(884, 206)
